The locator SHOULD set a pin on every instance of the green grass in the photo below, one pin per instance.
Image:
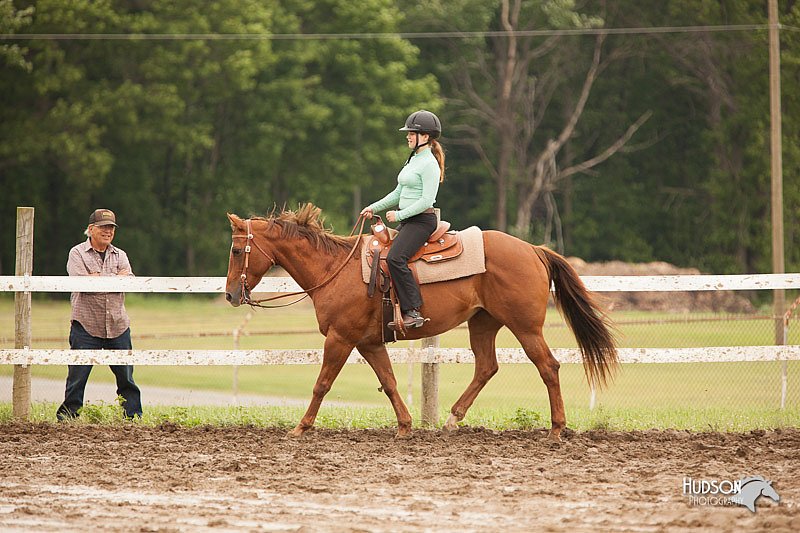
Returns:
(662, 395)
(637, 419)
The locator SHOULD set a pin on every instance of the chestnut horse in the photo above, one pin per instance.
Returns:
(513, 292)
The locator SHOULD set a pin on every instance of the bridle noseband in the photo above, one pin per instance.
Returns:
(244, 297)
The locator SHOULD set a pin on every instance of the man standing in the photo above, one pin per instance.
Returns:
(99, 320)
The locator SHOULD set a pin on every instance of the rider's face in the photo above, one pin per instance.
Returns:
(411, 139)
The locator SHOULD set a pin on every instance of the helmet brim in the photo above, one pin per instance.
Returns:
(434, 134)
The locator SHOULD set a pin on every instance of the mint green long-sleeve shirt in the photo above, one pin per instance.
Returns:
(417, 185)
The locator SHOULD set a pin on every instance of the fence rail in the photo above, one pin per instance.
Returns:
(714, 354)
(176, 285)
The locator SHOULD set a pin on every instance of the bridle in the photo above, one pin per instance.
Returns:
(244, 296)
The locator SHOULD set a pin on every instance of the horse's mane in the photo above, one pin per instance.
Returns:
(307, 223)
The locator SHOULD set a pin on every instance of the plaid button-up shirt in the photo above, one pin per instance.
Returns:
(102, 314)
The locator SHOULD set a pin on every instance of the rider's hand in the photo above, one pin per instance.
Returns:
(367, 212)
(391, 216)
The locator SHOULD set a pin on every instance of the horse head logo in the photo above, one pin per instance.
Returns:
(752, 488)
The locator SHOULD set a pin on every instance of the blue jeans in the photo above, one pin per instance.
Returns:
(80, 339)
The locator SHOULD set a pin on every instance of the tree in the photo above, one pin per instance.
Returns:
(51, 150)
(172, 133)
(510, 97)
(727, 74)
(11, 20)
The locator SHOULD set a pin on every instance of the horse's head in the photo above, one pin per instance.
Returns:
(752, 488)
(248, 261)
(768, 491)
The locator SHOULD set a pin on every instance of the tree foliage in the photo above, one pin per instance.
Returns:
(174, 133)
(633, 146)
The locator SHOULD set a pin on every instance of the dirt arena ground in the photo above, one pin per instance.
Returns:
(133, 478)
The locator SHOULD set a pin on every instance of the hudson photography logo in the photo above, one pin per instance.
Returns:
(728, 493)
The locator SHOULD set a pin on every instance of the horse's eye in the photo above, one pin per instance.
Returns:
(236, 251)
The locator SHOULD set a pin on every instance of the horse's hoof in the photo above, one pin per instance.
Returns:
(403, 435)
(554, 436)
(451, 424)
(296, 432)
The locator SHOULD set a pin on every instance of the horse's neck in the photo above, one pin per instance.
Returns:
(305, 264)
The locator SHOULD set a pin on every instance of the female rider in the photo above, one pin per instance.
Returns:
(417, 185)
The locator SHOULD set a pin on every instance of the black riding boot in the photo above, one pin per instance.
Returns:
(411, 319)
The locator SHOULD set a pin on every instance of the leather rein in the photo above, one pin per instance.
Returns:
(244, 297)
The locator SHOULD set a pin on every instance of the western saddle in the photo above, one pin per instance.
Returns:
(441, 246)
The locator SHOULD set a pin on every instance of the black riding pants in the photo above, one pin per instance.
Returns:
(414, 232)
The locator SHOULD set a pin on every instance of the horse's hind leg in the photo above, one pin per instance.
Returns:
(539, 353)
(378, 359)
(333, 359)
(483, 329)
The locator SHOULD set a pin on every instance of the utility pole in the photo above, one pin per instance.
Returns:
(776, 165)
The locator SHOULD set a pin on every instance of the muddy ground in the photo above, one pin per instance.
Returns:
(133, 478)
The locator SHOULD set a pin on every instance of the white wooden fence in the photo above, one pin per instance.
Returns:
(27, 356)
(712, 354)
(217, 284)
(24, 284)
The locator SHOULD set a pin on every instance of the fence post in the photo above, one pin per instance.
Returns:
(21, 388)
(784, 374)
(410, 389)
(430, 374)
(430, 386)
(237, 332)
(787, 316)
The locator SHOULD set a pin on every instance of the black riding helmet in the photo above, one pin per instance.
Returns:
(423, 122)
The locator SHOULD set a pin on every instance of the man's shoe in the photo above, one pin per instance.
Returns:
(64, 415)
(411, 319)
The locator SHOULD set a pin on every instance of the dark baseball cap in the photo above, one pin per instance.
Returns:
(103, 217)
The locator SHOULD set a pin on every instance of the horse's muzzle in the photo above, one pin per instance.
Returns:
(233, 299)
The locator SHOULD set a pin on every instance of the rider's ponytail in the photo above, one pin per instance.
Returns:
(438, 153)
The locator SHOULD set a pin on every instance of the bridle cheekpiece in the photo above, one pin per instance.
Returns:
(244, 297)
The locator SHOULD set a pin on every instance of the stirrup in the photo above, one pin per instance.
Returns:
(411, 319)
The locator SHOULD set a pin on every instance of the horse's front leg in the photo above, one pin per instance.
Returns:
(333, 359)
(378, 358)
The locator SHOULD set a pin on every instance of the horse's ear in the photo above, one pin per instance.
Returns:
(236, 222)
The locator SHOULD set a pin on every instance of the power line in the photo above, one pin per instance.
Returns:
(373, 36)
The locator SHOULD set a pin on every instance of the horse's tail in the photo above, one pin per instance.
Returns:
(592, 327)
